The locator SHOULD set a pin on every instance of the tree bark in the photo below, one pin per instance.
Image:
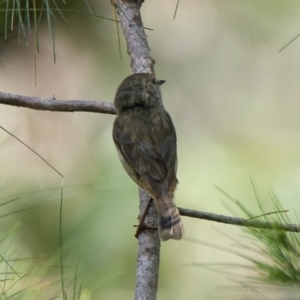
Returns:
(57, 105)
(141, 62)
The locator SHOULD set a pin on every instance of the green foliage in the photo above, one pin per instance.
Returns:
(280, 250)
(273, 255)
(26, 17)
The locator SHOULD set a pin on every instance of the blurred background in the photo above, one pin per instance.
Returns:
(235, 104)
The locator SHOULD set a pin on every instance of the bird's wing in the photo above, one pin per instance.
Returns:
(152, 158)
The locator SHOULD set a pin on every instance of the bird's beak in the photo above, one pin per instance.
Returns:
(160, 82)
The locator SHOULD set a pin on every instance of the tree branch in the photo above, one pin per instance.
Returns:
(238, 221)
(148, 254)
(133, 29)
(57, 105)
(141, 62)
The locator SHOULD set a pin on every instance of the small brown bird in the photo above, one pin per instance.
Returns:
(145, 138)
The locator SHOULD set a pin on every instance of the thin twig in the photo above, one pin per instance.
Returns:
(61, 243)
(57, 105)
(238, 221)
(43, 159)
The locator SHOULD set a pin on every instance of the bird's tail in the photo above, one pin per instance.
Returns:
(169, 221)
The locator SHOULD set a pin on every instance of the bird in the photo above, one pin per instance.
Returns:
(145, 139)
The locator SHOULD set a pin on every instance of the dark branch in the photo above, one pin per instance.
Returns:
(57, 105)
(238, 221)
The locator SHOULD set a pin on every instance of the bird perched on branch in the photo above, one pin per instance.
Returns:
(145, 138)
